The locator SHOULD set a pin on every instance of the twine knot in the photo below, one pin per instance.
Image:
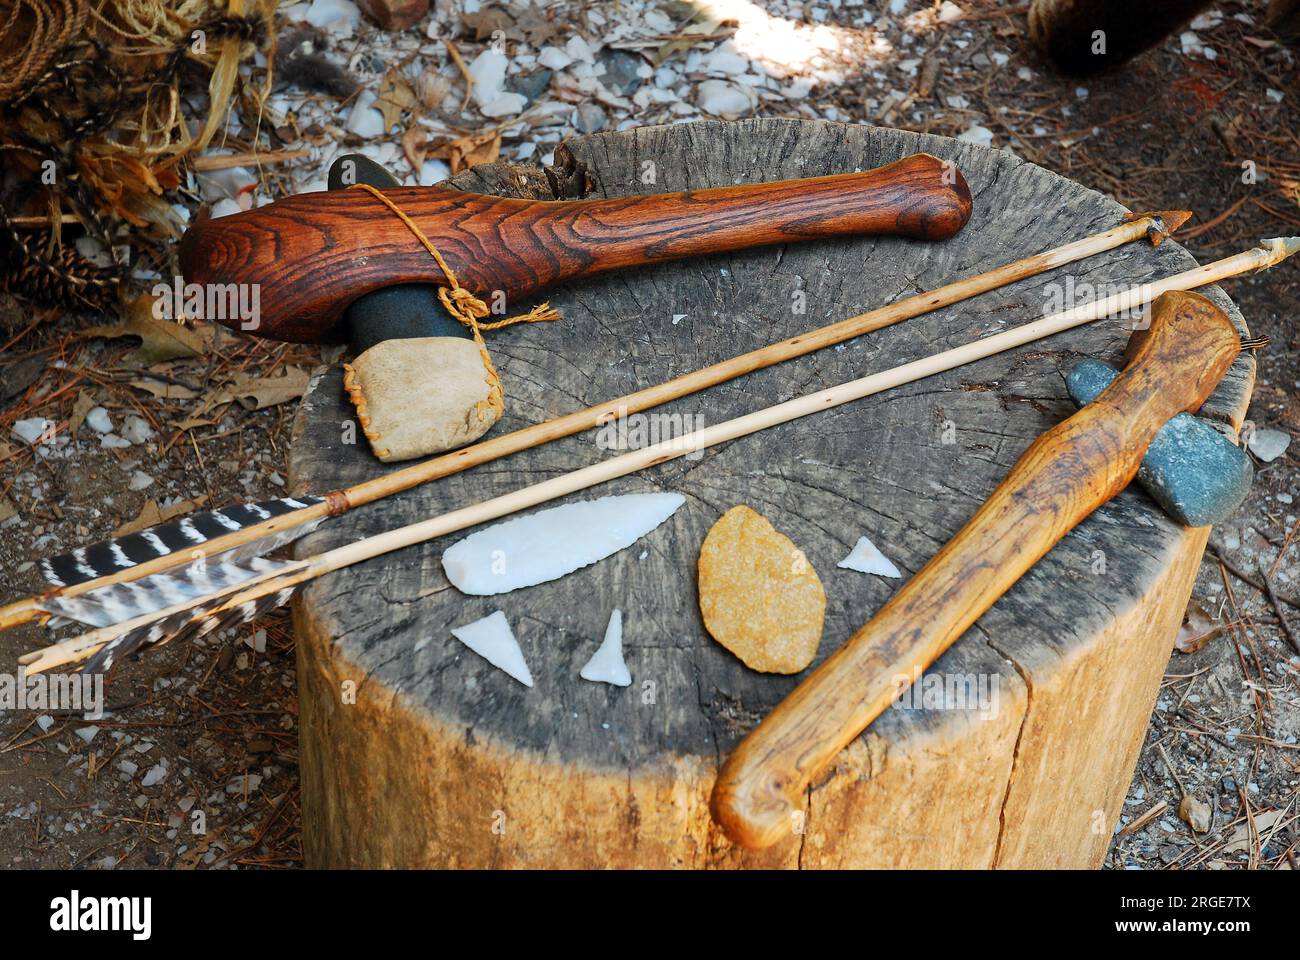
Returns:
(468, 308)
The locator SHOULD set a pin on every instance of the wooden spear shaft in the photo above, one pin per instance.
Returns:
(1258, 258)
(1154, 226)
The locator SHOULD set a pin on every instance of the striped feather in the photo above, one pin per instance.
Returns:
(186, 534)
(197, 621)
(119, 602)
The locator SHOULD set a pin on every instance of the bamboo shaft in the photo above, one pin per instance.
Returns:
(1258, 258)
(368, 491)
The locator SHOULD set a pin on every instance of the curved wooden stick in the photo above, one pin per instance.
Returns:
(1065, 474)
(314, 253)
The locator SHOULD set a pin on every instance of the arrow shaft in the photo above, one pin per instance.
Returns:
(517, 441)
(1247, 261)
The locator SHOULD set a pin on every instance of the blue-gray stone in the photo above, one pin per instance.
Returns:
(1194, 472)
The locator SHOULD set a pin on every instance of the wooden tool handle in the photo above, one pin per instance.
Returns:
(313, 254)
(1064, 475)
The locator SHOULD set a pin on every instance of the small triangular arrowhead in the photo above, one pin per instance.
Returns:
(493, 640)
(606, 664)
(865, 557)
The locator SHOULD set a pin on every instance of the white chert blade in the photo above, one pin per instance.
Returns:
(606, 664)
(492, 639)
(865, 558)
(546, 545)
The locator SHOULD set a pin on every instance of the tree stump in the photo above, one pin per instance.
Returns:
(416, 752)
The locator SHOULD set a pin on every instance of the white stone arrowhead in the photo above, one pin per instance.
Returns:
(492, 639)
(549, 544)
(865, 558)
(606, 664)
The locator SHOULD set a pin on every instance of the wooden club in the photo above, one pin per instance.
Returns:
(315, 253)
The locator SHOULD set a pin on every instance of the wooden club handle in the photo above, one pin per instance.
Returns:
(1062, 477)
(314, 253)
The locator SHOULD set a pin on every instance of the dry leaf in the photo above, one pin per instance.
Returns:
(191, 858)
(80, 407)
(159, 339)
(151, 514)
(488, 21)
(7, 509)
(1198, 629)
(395, 97)
(692, 34)
(191, 422)
(266, 391)
(1239, 842)
(163, 390)
(432, 88)
(537, 27)
(416, 147)
(470, 151)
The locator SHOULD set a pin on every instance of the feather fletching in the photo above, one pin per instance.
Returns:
(197, 621)
(119, 602)
(187, 534)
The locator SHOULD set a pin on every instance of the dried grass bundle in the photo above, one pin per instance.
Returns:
(98, 110)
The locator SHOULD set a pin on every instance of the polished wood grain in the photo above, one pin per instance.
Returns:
(313, 254)
(1064, 475)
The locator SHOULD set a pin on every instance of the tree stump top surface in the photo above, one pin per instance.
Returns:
(906, 468)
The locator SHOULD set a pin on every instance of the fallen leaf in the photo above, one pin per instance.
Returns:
(488, 21)
(7, 509)
(395, 98)
(465, 152)
(415, 144)
(163, 390)
(191, 858)
(537, 26)
(151, 514)
(1198, 629)
(688, 36)
(159, 339)
(1239, 842)
(432, 88)
(192, 422)
(266, 391)
(80, 407)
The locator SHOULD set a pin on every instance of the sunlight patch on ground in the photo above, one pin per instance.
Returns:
(783, 47)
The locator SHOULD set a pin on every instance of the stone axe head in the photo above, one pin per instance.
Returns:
(417, 378)
(1192, 469)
